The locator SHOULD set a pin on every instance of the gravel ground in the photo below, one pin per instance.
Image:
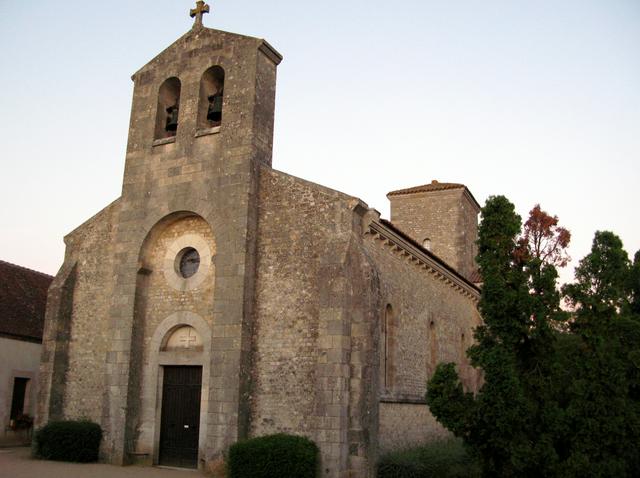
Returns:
(17, 463)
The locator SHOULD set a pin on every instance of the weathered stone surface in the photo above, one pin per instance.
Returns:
(445, 215)
(314, 317)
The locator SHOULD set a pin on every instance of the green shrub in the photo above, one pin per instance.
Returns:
(77, 441)
(443, 459)
(273, 456)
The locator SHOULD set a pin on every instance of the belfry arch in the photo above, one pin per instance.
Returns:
(167, 114)
(211, 98)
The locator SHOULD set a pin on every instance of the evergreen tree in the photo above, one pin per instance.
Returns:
(506, 424)
(556, 401)
(634, 286)
(601, 290)
(602, 395)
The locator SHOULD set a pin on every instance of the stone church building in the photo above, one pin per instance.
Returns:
(218, 298)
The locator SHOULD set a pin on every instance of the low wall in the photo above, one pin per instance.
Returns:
(405, 425)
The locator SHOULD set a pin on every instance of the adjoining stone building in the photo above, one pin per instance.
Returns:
(219, 298)
(23, 299)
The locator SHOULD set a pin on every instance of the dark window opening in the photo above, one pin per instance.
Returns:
(433, 348)
(168, 109)
(211, 98)
(19, 394)
(189, 262)
(388, 349)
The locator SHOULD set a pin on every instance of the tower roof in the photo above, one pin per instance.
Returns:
(432, 186)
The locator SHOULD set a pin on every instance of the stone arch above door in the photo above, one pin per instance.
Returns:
(182, 337)
(173, 323)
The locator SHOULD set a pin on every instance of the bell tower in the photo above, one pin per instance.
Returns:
(230, 77)
(201, 130)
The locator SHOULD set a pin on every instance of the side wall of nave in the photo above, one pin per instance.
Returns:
(425, 320)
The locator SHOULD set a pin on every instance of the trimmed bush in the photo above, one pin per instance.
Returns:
(443, 459)
(273, 456)
(69, 440)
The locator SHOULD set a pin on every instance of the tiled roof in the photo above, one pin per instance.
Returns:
(23, 300)
(416, 244)
(432, 186)
(475, 277)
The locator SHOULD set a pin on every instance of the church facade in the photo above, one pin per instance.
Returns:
(218, 298)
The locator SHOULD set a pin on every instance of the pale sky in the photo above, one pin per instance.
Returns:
(536, 100)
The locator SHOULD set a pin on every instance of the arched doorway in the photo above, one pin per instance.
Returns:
(181, 399)
(177, 379)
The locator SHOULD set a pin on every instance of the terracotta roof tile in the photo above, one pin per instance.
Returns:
(432, 186)
(416, 244)
(475, 277)
(23, 300)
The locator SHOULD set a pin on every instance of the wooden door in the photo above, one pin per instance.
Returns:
(180, 419)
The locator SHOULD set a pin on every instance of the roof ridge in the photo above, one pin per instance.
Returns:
(433, 187)
(429, 187)
(26, 268)
(444, 268)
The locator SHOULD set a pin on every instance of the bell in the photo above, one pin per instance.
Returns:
(214, 113)
(172, 119)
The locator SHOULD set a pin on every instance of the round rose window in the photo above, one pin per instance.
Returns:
(188, 262)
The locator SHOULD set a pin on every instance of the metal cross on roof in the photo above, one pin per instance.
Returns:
(201, 9)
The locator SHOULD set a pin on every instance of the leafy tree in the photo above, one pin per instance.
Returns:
(601, 290)
(543, 239)
(603, 392)
(634, 286)
(505, 424)
(553, 404)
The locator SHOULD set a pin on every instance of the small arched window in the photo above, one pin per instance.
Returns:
(168, 108)
(426, 243)
(468, 376)
(433, 347)
(211, 98)
(387, 349)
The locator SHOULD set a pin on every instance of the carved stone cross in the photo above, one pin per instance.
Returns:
(201, 9)
(189, 339)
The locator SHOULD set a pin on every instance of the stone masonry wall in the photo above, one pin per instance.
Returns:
(405, 425)
(447, 218)
(467, 246)
(307, 321)
(80, 392)
(430, 319)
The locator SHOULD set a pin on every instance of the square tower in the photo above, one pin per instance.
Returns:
(441, 217)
